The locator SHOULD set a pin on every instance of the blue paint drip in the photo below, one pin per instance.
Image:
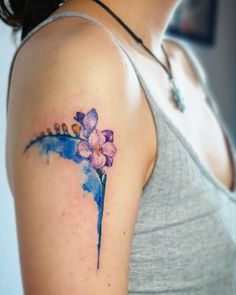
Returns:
(96, 182)
(65, 146)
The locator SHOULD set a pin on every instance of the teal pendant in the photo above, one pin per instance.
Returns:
(177, 96)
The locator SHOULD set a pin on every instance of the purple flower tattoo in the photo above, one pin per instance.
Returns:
(87, 145)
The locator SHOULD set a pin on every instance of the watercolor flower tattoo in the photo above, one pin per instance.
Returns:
(91, 148)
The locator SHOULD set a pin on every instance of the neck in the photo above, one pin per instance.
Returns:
(147, 19)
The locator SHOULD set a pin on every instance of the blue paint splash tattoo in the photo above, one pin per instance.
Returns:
(86, 145)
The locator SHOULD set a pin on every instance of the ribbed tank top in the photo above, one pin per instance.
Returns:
(184, 240)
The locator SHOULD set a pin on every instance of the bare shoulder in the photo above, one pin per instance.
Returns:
(77, 159)
(68, 41)
(66, 62)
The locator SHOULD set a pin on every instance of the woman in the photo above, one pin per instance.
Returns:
(123, 178)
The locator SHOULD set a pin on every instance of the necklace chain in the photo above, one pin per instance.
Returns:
(176, 93)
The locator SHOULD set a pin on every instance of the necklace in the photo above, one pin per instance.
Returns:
(176, 93)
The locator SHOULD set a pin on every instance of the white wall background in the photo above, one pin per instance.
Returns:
(10, 283)
(220, 65)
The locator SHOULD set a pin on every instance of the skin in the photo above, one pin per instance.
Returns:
(56, 224)
(153, 21)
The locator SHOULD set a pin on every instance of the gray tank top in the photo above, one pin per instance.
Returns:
(185, 235)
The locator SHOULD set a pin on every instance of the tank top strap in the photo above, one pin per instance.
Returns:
(96, 22)
(154, 105)
(143, 84)
(158, 114)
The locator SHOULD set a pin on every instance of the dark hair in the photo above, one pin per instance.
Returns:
(26, 14)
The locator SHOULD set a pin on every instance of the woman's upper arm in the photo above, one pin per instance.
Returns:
(76, 165)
